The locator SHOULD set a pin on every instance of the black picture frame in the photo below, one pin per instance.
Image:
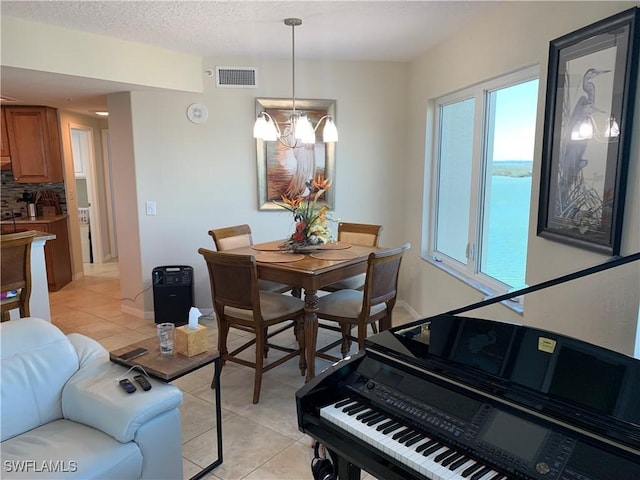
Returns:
(592, 77)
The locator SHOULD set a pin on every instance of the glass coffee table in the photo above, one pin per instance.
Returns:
(169, 368)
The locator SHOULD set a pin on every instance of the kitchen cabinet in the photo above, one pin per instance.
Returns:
(5, 152)
(57, 255)
(34, 139)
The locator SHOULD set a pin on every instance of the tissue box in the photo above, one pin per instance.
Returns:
(191, 342)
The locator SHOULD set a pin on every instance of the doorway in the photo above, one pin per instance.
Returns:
(89, 212)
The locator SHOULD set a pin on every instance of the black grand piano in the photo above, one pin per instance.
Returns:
(454, 397)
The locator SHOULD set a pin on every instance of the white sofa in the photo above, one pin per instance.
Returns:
(65, 416)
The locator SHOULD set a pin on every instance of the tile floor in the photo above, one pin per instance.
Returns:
(260, 442)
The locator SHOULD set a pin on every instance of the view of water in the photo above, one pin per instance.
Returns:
(509, 222)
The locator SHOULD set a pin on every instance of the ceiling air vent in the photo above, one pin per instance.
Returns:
(236, 77)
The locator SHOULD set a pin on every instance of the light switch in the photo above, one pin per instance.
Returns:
(151, 208)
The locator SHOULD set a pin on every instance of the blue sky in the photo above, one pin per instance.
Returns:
(515, 122)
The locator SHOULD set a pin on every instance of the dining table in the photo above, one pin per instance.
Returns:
(308, 271)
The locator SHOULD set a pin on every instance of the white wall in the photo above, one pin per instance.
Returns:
(602, 309)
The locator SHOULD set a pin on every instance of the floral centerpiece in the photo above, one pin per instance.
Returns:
(311, 221)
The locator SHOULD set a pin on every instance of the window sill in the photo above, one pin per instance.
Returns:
(515, 307)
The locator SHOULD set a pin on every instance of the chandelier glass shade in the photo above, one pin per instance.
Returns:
(587, 129)
(298, 129)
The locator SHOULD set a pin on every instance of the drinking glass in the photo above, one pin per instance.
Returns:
(166, 336)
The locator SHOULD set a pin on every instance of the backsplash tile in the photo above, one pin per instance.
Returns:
(11, 191)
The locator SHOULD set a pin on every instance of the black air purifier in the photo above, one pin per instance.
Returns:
(172, 294)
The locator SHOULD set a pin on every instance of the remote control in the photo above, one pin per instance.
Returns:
(127, 385)
(144, 383)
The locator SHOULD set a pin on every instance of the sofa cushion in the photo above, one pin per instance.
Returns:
(36, 360)
(64, 449)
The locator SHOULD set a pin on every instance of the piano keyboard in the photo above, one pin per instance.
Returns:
(427, 456)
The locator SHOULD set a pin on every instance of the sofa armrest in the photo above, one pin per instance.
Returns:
(93, 397)
(88, 349)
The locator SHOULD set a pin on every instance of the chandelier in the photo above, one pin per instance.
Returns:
(298, 129)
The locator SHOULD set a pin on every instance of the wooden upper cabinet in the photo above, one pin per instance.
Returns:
(5, 152)
(34, 139)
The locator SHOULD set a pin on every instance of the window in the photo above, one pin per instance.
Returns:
(482, 169)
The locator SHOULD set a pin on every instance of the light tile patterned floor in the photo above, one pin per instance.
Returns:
(259, 441)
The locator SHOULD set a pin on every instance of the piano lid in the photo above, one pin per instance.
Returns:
(562, 376)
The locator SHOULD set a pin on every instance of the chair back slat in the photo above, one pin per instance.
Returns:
(359, 233)
(383, 269)
(231, 237)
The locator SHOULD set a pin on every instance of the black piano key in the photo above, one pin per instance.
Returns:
(472, 469)
(377, 419)
(452, 458)
(392, 428)
(358, 409)
(432, 448)
(443, 455)
(384, 425)
(480, 473)
(414, 440)
(458, 462)
(365, 414)
(429, 444)
(401, 433)
(498, 476)
(410, 434)
(352, 406)
(344, 403)
(369, 416)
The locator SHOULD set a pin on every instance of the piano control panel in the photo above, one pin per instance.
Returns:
(524, 449)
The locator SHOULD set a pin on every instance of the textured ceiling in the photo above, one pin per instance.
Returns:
(343, 30)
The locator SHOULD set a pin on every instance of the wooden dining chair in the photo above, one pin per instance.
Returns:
(359, 234)
(240, 304)
(16, 272)
(240, 236)
(363, 308)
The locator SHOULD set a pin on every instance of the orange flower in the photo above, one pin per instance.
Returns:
(292, 203)
(320, 183)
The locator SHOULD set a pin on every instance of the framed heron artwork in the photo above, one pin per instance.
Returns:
(285, 164)
(592, 77)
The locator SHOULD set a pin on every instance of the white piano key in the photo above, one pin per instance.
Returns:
(406, 455)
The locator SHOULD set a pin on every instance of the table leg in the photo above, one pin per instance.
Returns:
(310, 330)
(217, 371)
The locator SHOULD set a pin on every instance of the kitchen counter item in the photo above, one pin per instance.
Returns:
(27, 220)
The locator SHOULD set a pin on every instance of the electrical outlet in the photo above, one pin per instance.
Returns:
(151, 208)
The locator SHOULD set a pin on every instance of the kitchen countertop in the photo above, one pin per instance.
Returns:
(27, 220)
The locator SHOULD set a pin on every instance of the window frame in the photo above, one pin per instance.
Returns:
(470, 272)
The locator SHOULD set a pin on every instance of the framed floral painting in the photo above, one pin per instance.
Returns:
(285, 171)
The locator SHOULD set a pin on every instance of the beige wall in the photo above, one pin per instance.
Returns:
(602, 309)
(203, 176)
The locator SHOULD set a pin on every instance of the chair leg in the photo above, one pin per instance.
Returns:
(345, 328)
(257, 384)
(298, 330)
(362, 334)
(223, 332)
(296, 292)
(266, 343)
(6, 316)
(374, 327)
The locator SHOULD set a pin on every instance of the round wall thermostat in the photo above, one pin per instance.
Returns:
(197, 113)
